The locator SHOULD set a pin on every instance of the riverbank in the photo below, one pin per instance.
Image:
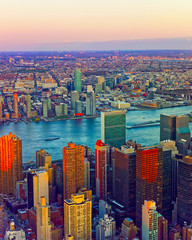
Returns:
(85, 131)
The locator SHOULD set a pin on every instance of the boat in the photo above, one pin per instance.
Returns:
(52, 139)
(149, 104)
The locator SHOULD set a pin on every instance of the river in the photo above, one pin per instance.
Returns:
(84, 131)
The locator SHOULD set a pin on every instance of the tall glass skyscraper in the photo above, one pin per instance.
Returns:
(113, 128)
(77, 80)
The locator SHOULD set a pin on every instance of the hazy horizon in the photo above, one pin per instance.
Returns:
(138, 44)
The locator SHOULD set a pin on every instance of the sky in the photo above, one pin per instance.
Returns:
(24, 23)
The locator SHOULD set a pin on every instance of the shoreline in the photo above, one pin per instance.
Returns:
(7, 122)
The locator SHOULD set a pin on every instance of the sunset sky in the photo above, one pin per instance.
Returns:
(27, 22)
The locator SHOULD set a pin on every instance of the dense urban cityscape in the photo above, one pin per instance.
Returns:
(126, 175)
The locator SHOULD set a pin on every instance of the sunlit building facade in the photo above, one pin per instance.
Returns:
(10, 163)
(43, 220)
(149, 221)
(73, 169)
(78, 217)
(149, 162)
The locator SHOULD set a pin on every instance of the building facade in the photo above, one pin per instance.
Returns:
(101, 170)
(11, 169)
(149, 161)
(113, 128)
(73, 169)
(37, 186)
(78, 217)
(184, 191)
(43, 220)
(125, 179)
(77, 80)
(149, 221)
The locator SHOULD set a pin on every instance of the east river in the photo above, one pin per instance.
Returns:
(84, 131)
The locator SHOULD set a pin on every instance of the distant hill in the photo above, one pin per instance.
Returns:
(143, 44)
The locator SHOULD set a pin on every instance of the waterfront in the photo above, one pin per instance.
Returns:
(84, 131)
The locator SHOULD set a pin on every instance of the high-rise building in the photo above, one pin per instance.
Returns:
(42, 158)
(113, 128)
(128, 229)
(78, 217)
(64, 107)
(90, 104)
(101, 170)
(15, 105)
(87, 174)
(100, 79)
(184, 191)
(21, 189)
(182, 146)
(149, 221)
(187, 232)
(73, 169)
(28, 106)
(1, 111)
(149, 161)
(10, 163)
(74, 98)
(37, 186)
(169, 152)
(78, 106)
(106, 228)
(77, 80)
(45, 108)
(15, 233)
(174, 128)
(104, 208)
(162, 228)
(43, 220)
(125, 179)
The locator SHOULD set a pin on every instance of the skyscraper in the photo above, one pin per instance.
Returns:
(149, 221)
(87, 174)
(42, 158)
(43, 220)
(149, 162)
(113, 128)
(28, 106)
(78, 106)
(1, 112)
(78, 217)
(15, 105)
(184, 191)
(101, 170)
(162, 228)
(45, 108)
(174, 128)
(74, 98)
(37, 186)
(90, 104)
(169, 178)
(77, 80)
(10, 163)
(73, 169)
(125, 179)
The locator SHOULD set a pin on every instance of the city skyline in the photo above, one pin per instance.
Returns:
(26, 25)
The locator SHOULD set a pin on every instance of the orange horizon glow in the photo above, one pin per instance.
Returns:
(25, 22)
